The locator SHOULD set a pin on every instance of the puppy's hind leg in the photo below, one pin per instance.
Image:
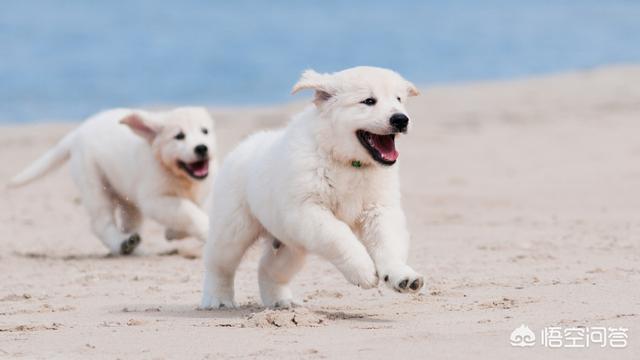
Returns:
(99, 201)
(230, 236)
(129, 215)
(278, 266)
(103, 224)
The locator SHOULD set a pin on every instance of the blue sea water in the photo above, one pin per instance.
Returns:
(66, 59)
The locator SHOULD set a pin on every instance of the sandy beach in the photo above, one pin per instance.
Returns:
(522, 197)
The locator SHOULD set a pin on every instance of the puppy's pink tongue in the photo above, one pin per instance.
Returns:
(386, 145)
(200, 168)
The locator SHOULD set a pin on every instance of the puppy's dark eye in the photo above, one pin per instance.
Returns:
(205, 131)
(399, 100)
(369, 101)
(179, 136)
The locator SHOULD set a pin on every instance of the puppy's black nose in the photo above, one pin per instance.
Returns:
(399, 122)
(201, 150)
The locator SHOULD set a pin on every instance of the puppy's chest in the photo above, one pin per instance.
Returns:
(347, 193)
(185, 189)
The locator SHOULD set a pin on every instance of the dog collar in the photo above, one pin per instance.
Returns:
(356, 163)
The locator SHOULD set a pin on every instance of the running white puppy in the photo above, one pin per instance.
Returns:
(136, 163)
(325, 184)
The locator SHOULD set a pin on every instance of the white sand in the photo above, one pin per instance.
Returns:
(523, 199)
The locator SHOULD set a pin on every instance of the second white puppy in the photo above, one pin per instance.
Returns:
(326, 184)
(137, 163)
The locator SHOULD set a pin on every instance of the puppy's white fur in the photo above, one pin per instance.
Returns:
(127, 162)
(298, 188)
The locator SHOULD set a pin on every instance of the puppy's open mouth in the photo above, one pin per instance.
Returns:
(197, 169)
(381, 147)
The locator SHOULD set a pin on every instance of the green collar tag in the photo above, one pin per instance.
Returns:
(356, 163)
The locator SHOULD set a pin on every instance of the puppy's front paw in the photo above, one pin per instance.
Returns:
(284, 304)
(360, 272)
(215, 294)
(275, 295)
(404, 280)
(211, 302)
(130, 244)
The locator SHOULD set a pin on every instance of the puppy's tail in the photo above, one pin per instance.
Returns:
(52, 159)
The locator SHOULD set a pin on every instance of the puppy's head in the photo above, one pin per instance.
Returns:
(183, 139)
(361, 112)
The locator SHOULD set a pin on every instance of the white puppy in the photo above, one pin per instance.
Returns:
(136, 163)
(325, 184)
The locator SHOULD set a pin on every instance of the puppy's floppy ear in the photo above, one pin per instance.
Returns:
(321, 83)
(412, 90)
(143, 126)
